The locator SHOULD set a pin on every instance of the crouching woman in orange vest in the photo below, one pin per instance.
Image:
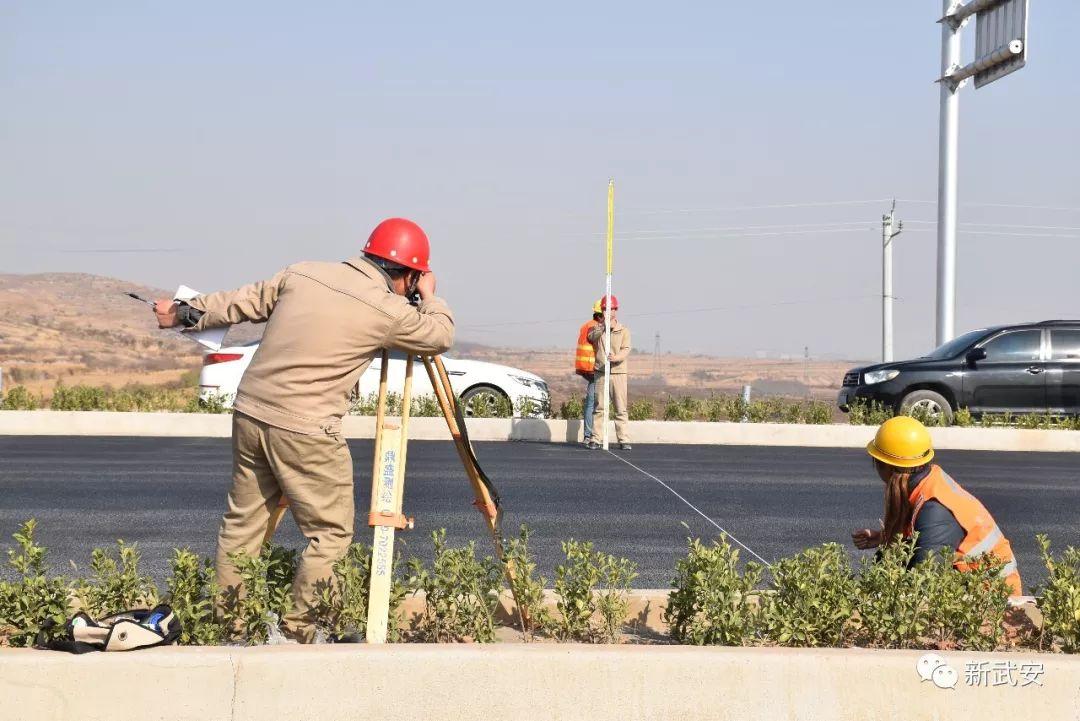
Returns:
(921, 498)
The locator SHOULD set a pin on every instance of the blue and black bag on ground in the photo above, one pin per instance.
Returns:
(127, 631)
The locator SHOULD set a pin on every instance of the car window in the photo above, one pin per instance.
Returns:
(954, 347)
(1066, 343)
(1022, 345)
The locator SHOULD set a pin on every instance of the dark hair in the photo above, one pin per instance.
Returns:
(898, 509)
(597, 316)
(394, 270)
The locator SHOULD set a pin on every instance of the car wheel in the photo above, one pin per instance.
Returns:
(929, 407)
(486, 402)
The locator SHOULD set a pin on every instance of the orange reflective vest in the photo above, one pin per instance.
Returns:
(585, 357)
(982, 533)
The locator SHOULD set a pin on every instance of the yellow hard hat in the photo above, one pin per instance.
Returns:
(596, 308)
(902, 442)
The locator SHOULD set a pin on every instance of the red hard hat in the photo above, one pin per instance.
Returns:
(400, 241)
(614, 302)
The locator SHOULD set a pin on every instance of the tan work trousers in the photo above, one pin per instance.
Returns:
(315, 473)
(618, 397)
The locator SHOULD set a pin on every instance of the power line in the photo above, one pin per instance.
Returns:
(685, 311)
(674, 234)
(735, 227)
(1000, 205)
(826, 204)
(1007, 225)
(1007, 235)
(835, 203)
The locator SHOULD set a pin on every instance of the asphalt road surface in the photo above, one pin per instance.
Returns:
(164, 493)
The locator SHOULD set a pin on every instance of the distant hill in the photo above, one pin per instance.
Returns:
(78, 327)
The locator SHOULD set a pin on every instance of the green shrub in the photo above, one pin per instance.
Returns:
(77, 398)
(192, 594)
(967, 610)
(1060, 599)
(267, 580)
(922, 415)
(573, 408)
(735, 408)
(818, 413)
(527, 588)
(591, 584)
(642, 410)
(133, 397)
(115, 584)
(19, 399)
(792, 413)
(683, 409)
(963, 418)
(527, 408)
(814, 595)
(489, 405)
(989, 420)
(713, 409)
(868, 413)
(893, 606)
(425, 406)
(342, 606)
(711, 603)
(34, 599)
(760, 411)
(215, 403)
(1033, 421)
(461, 594)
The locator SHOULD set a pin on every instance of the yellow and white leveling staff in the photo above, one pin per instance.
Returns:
(607, 305)
(387, 490)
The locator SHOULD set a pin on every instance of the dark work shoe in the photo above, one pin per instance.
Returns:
(592, 446)
(625, 446)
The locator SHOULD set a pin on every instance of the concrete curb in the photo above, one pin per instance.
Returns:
(96, 423)
(525, 681)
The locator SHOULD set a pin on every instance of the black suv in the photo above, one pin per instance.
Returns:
(1027, 368)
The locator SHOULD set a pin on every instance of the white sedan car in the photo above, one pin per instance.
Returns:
(485, 388)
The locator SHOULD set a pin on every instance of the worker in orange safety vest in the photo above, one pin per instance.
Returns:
(921, 498)
(585, 366)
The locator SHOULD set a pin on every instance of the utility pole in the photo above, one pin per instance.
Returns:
(656, 371)
(890, 228)
(806, 367)
(1000, 49)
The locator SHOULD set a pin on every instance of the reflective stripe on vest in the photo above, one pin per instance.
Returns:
(982, 534)
(585, 358)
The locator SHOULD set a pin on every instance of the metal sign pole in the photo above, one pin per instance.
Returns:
(948, 138)
(1000, 49)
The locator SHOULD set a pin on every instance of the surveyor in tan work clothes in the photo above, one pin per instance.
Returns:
(618, 355)
(325, 323)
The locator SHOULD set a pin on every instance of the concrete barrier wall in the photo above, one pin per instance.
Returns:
(517, 681)
(93, 423)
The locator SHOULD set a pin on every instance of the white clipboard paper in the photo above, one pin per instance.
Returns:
(211, 339)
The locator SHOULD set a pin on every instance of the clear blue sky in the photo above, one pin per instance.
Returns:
(253, 134)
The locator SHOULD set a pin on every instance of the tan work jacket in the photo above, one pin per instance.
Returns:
(324, 324)
(620, 347)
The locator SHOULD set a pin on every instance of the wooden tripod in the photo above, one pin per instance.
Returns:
(388, 482)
